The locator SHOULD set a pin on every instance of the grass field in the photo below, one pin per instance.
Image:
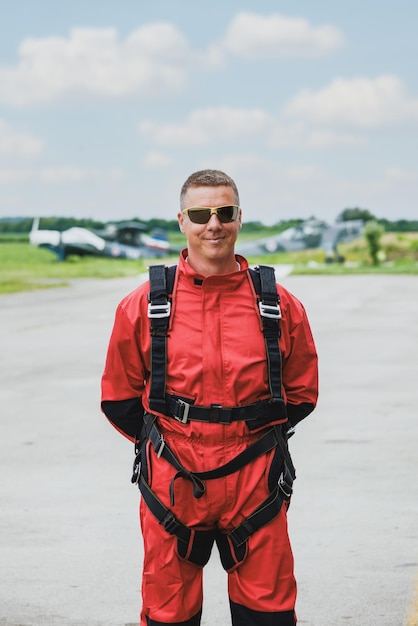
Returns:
(24, 267)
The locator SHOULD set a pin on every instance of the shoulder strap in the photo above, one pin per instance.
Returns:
(264, 280)
(159, 308)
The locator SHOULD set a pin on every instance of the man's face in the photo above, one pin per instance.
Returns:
(213, 242)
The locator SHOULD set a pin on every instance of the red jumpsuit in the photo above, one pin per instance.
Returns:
(215, 355)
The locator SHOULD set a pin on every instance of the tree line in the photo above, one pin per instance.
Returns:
(23, 225)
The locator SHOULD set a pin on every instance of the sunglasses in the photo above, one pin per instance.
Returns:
(202, 215)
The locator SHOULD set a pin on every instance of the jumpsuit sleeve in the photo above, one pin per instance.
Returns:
(300, 369)
(123, 378)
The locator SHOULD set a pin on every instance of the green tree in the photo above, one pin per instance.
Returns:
(373, 232)
(355, 214)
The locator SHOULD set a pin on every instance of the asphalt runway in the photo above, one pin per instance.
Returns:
(70, 546)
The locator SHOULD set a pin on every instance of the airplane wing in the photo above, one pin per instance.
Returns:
(286, 241)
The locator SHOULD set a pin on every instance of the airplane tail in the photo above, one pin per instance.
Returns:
(35, 225)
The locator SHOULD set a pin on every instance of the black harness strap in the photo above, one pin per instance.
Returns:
(268, 440)
(233, 545)
(264, 280)
(196, 544)
(159, 309)
(182, 411)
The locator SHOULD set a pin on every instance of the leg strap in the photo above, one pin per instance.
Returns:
(193, 545)
(233, 546)
(196, 545)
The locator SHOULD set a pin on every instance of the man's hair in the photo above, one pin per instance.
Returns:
(208, 178)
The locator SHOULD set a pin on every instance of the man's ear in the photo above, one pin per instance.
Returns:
(180, 218)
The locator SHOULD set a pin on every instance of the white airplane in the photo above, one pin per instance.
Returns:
(127, 240)
(311, 233)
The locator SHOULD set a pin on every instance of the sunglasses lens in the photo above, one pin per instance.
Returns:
(227, 213)
(199, 216)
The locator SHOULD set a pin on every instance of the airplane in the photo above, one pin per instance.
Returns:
(128, 240)
(125, 240)
(311, 233)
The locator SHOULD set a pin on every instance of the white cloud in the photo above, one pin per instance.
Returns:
(156, 160)
(399, 174)
(57, 175)
(13, 175)
(206, 126)
(14, 144)
(70, 174)
(361, 102)
(154, 58)
(299, 135)
(96, 62)
(253, 36)
(256, 165)
(338, 115)
(220, 124)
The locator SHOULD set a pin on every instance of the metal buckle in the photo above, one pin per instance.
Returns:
(290, 432)
(170, 523)
(268, 310)
(159, 310)
(161, 446)
(186, 408)
(282, 484)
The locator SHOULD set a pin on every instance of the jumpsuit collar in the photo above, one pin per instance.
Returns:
(222, 282)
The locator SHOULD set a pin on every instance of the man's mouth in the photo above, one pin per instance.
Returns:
(214, 239)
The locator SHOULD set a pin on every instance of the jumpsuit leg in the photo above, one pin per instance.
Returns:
(262, 590)
(171, 587)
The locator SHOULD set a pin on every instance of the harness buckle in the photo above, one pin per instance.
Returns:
(170, 523)
(157, 311)
(184, 413)
(161, 446)
(271, 311)
(284, 487)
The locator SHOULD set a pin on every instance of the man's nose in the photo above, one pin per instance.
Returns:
(214, 221)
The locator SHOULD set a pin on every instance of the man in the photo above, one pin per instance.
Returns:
(214, 464)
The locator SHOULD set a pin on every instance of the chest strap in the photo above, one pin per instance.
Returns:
(255, 414)
(159, 309)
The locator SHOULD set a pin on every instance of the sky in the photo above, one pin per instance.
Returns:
(107, 107)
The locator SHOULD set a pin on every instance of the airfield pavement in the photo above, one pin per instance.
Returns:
(70, 546)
